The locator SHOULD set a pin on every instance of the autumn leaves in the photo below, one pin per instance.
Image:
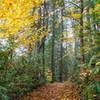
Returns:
(16, 19)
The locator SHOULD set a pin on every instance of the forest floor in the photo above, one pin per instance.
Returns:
(54, 91)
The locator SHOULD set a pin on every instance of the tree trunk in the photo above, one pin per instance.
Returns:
(61, 47)
(82, 34)
(44, 30)
(53, 45)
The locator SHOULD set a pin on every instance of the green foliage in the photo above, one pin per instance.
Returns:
(91, 81)
(3, 93)
(20, 76)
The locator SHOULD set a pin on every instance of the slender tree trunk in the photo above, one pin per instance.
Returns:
(89, 24)
(81, 33)
(53, 45)
(43, 58)
(38, 61)
(43, 44)
(61, 48)
(94, 25)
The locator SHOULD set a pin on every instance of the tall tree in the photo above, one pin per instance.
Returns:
(53, 44)
(61, 44)
(45, 27)
(81, 32)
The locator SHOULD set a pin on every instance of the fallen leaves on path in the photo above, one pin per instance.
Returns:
(54, 91)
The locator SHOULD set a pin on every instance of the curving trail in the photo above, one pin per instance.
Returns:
(54, 91)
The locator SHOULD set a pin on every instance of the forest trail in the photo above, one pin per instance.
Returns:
(54, 91)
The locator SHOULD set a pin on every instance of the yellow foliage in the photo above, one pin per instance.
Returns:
(17, 16)
(98, 63)
(68, 40)
(98, 6)
(75, 16)
(95, 10)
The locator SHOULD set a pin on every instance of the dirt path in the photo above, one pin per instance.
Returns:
(55, 91)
